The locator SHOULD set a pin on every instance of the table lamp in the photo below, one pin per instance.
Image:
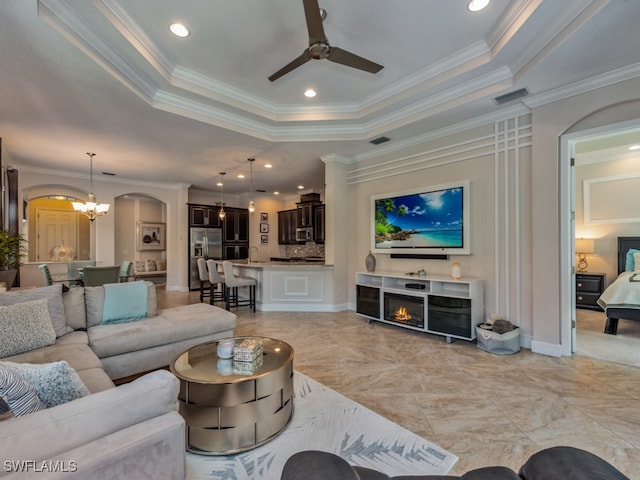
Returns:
(584, 246)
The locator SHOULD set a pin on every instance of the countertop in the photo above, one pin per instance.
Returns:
(278, 264)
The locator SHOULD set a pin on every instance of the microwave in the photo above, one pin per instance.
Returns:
(304, 234)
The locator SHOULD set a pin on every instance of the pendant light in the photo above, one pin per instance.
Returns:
(252, 207)
(222, 213)
(91, 209)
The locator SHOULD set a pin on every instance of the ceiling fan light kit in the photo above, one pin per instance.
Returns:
(320, 49)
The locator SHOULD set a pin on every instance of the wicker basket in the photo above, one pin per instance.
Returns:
(498, 343)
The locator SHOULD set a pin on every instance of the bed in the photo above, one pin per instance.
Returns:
(621, 299)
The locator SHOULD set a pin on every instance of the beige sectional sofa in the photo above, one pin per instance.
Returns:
(126, 432)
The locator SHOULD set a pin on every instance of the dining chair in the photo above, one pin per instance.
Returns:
(232, 283)
(75, 268)
(216, 279)
(125, 271)
(203, 275)
(48, 280)
(96, 276)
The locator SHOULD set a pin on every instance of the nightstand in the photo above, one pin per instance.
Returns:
(589, 287)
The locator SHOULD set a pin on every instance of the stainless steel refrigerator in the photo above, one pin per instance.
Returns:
(203, 243)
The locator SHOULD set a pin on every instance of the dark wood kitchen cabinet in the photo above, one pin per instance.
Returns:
(287, 223)
(318, 224)
(203, 216)
(236, 225)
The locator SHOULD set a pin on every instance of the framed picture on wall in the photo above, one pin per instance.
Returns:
(264, 216)
(264, 228)
(150, 236)
(264, 238)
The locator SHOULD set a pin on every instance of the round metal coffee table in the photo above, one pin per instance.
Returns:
(227, 411)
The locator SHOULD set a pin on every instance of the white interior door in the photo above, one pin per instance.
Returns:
(55, 228)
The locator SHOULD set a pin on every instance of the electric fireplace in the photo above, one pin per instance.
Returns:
(404, 309)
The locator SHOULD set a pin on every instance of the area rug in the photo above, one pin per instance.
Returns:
(325, 420)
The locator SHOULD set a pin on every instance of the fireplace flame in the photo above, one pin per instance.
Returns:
(402, 315)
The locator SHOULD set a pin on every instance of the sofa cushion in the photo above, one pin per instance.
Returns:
(87, 419)
(25, 326)
(74, 348)
(171, 326)
(74, 308)
(53, 294)
(20, 396)
(56, 383)
(94, 298)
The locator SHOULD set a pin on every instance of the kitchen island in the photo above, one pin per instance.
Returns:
(290, 286)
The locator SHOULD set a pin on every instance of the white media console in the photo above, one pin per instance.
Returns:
(438, 305)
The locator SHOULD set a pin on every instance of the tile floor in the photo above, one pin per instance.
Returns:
(487, 409)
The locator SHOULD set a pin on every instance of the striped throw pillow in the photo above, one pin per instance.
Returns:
(19, 395)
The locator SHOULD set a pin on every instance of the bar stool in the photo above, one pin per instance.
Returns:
(232, 282)
(215, 279)
(203, 275)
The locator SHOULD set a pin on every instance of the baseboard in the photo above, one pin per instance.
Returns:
(550, 349)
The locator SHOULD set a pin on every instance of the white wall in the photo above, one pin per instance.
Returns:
(605, 232)
(495, 158)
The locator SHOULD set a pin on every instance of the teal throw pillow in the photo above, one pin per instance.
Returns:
(630, 264)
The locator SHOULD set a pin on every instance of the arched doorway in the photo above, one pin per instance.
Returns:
(55, 231)
(607, 123)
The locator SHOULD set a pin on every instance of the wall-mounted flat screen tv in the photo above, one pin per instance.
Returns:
(421, 221)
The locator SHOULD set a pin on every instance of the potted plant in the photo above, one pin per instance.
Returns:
(12, 247)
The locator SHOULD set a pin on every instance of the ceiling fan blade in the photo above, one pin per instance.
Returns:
(301, 60)
(314, 22)
(349, 59)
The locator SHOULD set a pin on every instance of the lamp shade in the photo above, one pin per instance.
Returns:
(585, 245)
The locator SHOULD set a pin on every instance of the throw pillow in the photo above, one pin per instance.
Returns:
(56, 383)
(53, 294)
(630, 263)
(161, 263)
(150, 265)
(636, 261)
(20, 396)
(25, 327)
(139, 266)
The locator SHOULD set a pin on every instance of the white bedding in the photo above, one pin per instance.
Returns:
(624, 292)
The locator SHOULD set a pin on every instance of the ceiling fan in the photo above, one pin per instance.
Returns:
(319, 47)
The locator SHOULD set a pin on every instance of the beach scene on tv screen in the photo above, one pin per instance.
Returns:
(421, 220)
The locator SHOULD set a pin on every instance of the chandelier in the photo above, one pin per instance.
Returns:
(221, 213)
(252, 207)
(91, 209)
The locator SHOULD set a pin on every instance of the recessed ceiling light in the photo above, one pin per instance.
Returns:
(300, 187)
(276, 193)
(477, 5)
(267, 165)
(179, 30)
(310, 93)
(219, 184)
(634, 147)
(241, 175)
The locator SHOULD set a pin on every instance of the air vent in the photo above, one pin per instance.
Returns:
(507, 97)
(260, 190)
(109, 173)
(379, 140)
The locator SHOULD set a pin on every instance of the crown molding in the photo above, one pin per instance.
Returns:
(599, 81)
